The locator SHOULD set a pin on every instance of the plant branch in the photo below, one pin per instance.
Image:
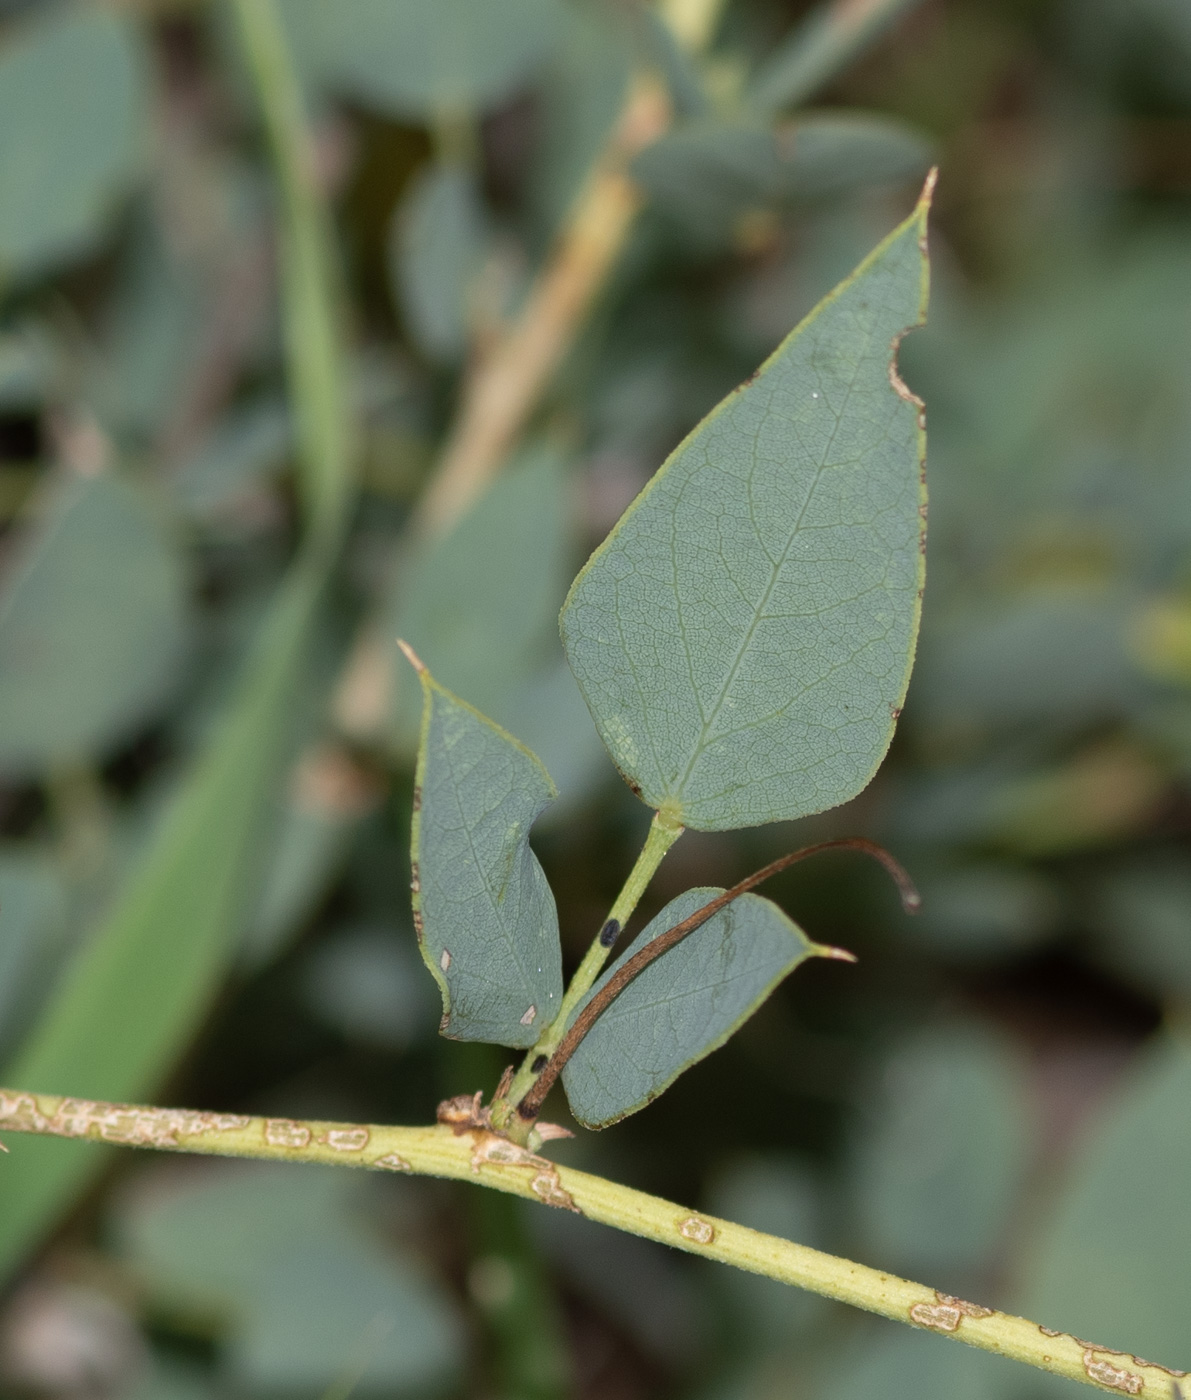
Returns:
(662, 835)
(487, 1159)
(531, 1105)
(506, 384)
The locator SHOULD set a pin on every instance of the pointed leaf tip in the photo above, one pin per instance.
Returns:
(412, 657)
(826, 950)
(744, 636)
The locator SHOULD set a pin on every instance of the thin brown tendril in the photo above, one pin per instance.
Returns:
(531, 1105)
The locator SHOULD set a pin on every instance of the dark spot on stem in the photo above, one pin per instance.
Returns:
(609, 933)
(540, 1063)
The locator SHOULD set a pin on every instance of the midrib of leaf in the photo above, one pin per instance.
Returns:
(704, 737)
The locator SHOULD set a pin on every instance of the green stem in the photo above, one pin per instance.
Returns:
(663, 832)
(487, 1159)
(318, 394)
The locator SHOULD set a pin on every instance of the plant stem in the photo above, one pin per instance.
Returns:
(474, 1154)
(504, 388)
(531, 1105)
(309, 299)
(663, 832)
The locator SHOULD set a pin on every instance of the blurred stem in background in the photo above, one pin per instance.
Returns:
(153, 965)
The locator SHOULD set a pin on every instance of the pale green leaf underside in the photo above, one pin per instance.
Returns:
(487, 925)
(744, 636)
(681, 1007)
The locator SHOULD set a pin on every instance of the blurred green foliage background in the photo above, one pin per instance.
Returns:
(205, 757)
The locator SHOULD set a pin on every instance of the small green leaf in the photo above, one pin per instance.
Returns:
(91, 625)
(708, 173)
(487, 925)
(74, 113)
(744, 636)
(1123, 1215)
(436, 242)
(683, 1006)
(423, 57)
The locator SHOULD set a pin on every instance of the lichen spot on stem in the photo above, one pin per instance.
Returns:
(697, 1230)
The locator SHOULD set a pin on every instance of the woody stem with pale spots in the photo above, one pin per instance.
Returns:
(474, 1154)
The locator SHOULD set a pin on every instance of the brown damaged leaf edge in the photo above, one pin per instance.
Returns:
(464, 1148)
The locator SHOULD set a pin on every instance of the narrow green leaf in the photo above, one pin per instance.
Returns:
(1123, 1215)
(744, 636)
(74, 112)
(683, 1006)
(92, 623)
(138, 989)
(436, 242)
(486, 920)
(136, 992)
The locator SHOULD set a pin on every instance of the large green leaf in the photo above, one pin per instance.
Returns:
(1123, 1218)
(91, 625)
(744, 636)
(487, 925)
(136, 992)
(420, 58)
(73, 118)
(306, 1294)
(708, 173)
(682, 1006)
(941, 1160)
